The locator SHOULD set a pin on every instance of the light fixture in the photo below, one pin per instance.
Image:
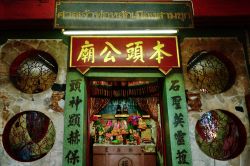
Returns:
(119, 32)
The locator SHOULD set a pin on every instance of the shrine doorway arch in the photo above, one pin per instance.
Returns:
(174, 113)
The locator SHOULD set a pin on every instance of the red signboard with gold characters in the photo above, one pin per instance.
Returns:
(124, 52)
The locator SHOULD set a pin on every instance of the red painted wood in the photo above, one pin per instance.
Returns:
(39, 14)
(37, 9)
(219, 8)
(26, 9)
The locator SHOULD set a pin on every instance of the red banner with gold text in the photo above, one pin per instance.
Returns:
(124, 52)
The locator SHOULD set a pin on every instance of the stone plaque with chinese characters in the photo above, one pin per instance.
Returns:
(124, 52)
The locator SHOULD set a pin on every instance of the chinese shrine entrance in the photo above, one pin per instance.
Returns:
(101, 118)
(125, 105)
(125, 117)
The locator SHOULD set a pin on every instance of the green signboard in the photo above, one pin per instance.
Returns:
(176, 121)
(75, 127)
(123, 15)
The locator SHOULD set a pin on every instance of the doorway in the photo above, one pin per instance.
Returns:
(108, 102)
(124, 118)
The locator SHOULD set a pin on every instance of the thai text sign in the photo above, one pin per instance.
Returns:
(123, 15)
(124, 51)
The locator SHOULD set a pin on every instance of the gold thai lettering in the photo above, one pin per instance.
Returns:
(108, 54)
(158, 54)
(74, 15)
(87, 14)
(148, 15)
(178, 16)
(60, 15)
(87, 52)
(135, 51)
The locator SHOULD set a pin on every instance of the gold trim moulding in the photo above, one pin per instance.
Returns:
(145, 116)
(99, 116)
(121, 115)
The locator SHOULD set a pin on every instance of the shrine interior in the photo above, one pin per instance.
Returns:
(124, 117)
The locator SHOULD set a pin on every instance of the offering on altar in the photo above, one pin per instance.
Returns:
(146, 136)
(142, 124)
(132, 130)
(124, 124)
(117, 125)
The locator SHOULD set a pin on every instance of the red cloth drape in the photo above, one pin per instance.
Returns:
(97, 104)
(149, 105)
